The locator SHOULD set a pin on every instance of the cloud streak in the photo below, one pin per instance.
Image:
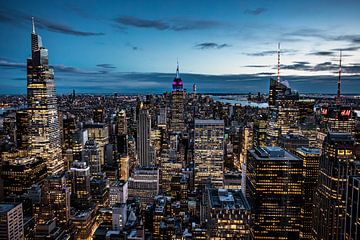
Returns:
(256, 11)
(18, 18)
(211, 45)
(173, 25)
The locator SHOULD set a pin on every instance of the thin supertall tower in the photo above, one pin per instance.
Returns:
(338, 98)
(42, 107)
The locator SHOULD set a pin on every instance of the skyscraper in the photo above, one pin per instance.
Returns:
(352, 223)
(11, 221)
(209, 152)
(274, 190)
(336, 165)
(177, 104)
(143, 138)
(311, 158)
(42, 107)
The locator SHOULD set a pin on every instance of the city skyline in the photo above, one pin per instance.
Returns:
(225, 48)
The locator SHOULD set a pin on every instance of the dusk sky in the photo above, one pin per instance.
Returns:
(222, 46)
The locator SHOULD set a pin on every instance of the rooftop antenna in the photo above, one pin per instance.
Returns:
(33, 25)
(278, 67)
(339, 81)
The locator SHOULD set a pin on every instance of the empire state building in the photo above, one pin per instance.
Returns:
(42, 107)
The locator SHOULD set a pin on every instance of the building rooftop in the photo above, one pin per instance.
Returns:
(209, 121)
(306, 150)
(6, 207)
(227, 199)
(273, 153)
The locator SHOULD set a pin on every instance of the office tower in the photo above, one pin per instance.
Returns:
(91, 155)
(177, 104)
(100, 133)
(42, 107)
(22, 129)
(9, 127)
(121, 123)
(80, 185)
(337, 118)
(143, 138)
(246, 141)
(274, 191)
(20, 171)
(11, 221)
(311, 159)
(336, 165)
(99, 114)
(56, 193)
(119, 216)
(124, 168)
(144, 184)
(162, 118)
(99, 190)
(284, 115)
(118, 192)
(260, 131)
(69, 130)
(352, 217)
(228, 214)
(109, 154)
(291, 142)
(209, 152)
(84, 223)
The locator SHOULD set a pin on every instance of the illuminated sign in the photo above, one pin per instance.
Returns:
(324, 111)
(345, 112)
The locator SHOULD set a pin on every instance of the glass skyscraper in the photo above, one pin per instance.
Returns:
(42, 107)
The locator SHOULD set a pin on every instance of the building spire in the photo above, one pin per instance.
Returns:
(177, 69)
(278, 67)
(33, 25)
(338, 98)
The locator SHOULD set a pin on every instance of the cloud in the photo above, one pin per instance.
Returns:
(271, 52)
(257, 66)
(323, 34)
(5, 63)
(355, 48)
(174, 24)
(211, 45)
(256, 11)
(322, 53)
(141, 23)
(18, 18)
(60, 28)
(352, 68)
(105, 65)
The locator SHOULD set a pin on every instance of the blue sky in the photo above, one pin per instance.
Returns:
(222, 46)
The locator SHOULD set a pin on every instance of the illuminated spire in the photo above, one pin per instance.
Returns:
(177, 69)
(278, 67)
(339, 82)
(33, 25)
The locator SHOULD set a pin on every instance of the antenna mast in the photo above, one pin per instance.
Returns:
(338, 98)
(278, 67)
